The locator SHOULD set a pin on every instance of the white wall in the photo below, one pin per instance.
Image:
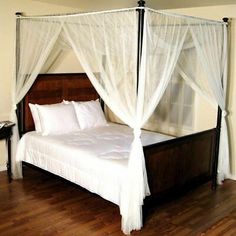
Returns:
(68, 62)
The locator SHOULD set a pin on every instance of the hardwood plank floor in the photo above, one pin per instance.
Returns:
(41, 204)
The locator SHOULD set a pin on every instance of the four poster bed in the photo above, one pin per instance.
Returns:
(137, 163)
(171, 165)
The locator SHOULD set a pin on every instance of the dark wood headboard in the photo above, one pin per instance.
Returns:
(53, 88)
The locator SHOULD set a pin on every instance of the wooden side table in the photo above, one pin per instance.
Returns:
(6, 133)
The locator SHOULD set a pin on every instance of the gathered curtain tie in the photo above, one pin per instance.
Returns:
(137, 132)
(14, 107)
(224, 113)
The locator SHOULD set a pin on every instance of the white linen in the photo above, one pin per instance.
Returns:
(57, 118)
(36, 119)
(96, 159)
(89, 114)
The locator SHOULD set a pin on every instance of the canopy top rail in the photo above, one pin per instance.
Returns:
(141, 5)
(164, 12)
(64, 15)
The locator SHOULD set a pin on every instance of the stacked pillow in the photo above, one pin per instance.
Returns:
(89, 114)
(67, 117)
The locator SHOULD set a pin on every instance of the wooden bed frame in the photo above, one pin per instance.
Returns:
(172, 166)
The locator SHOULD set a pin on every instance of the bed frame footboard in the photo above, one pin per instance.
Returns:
(176, 165)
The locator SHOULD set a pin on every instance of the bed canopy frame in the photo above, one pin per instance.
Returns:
(211, 137)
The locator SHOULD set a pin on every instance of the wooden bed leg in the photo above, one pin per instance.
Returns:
(214, 184)
(216, 151)
(22, 166)
(145, 213)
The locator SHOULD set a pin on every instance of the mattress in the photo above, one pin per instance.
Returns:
(96, 159)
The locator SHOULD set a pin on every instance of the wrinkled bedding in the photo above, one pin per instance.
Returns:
(96, 159)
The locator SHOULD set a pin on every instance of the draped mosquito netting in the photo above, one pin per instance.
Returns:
(105, 44)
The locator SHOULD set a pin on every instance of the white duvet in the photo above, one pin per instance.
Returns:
(96, 159)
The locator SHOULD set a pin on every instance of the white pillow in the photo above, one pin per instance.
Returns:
(69, 102)
(89, 114)
(36, 119)
(57, 118)
(66, 102)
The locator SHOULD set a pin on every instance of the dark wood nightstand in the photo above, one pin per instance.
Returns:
(6, 133)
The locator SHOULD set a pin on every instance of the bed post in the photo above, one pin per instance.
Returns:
(19, 111)
(141, 3)
(217, 139)
(141, 12)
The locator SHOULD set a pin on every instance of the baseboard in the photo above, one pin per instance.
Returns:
(3, 168)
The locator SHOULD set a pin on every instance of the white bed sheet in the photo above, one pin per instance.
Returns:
(96, 159)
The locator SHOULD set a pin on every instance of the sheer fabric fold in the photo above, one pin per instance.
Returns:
(210, 41)
(36, 40)
(114, 55)
(161, 59)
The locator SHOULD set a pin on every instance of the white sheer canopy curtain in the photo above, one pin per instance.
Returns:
(165, 35)
(36, 39)
(106, 46)
(210, 40)
(189, 69)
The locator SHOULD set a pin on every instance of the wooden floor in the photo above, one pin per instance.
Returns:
(44, 205)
